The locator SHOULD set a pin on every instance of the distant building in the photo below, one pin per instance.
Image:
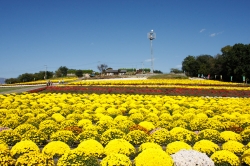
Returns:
(110, 72)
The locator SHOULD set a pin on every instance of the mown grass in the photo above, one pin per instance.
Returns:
(168, 76)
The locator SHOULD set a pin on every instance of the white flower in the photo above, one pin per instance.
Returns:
(191, 158)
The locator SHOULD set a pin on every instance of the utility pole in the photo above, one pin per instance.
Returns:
(45, 76)
(152, 36)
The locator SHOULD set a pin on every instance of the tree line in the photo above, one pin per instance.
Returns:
(233, 64)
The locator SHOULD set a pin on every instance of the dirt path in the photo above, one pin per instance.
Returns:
(22, 89)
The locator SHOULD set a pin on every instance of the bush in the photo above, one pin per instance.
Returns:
(246, 157)
(48, 129)
(136, 137)
(65, 136)
(181, 134)
(120, 146)
(225, 157)
(116, 159)
(176, 146)
(245, 134)
(36, 136)
(91, 148)
(110, 135)
(148, 125)
(206, 146)
(5, 157)
(148, 145)
(234, 146)
(23, 128)
(160, 136)
(211, 135)
(153, 157)
(230, 136)
(55, 149)
(191, 157)
(88, 134)
(34, 158)
(23, 147)
(10, 137)
(75, 157)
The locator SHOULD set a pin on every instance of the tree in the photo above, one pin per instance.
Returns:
(102, 67)
(62, 71)
(206, 64)
(79, 73)
(190, 66)
(175, 70)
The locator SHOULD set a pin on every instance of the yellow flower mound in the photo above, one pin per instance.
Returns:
(206, 146)
(176, 146)
(225, 157)
(148, 125)
(91, 147)
(246, 157)
(234, 146)
(23, 147)
(230, 136)
(55, 149)
(153, 157)
(117, 160)
(120, 146)
(35, 158)
(149, 145)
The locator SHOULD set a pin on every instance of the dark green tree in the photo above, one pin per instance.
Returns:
(62, 71)
(79, 73)
(190, 66)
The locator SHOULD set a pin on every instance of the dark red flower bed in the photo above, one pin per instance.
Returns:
(148, 90)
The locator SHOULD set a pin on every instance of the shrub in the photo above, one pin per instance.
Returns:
(136, 118)
(120, 146)
(110, 135)
(225, 157)
(36, 136)
(104, 125)
(181, 134)
(230, 136)
(138, 127)
(88, 134)
(23, 147)
(34, 158)
(246, 157)
(191, 157)
(116, 159)
(153, 157)
(206, 146)
(23, 128)
(91, 148)
(160, 136)
(55, 149)
(75, 157)
(148, 145)
(76, 130)
(136, 137)
(245, 134)
(234, 146)
(176, 146)
(84, 123)
(148, 125)
(48, 129)
(5, 157)
(68, 123)
(58, 117)
(211, 135)
(65, 136)
(10, 137)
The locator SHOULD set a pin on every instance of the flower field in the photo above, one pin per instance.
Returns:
(119, 123)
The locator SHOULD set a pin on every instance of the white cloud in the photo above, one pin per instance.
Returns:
(215, 34)
(202, 30)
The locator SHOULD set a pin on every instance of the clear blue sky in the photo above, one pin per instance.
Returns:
(80, 34)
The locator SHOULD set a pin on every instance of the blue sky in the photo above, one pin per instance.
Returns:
(81, 34)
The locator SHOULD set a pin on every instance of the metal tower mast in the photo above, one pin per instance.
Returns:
(152, 36)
